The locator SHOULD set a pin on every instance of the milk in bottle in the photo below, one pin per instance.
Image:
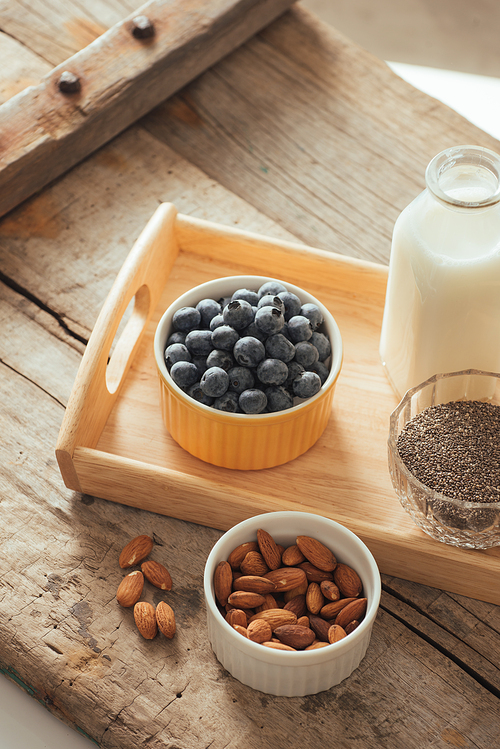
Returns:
(442, 308)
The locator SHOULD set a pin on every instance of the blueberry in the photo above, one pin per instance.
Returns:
(313, 313)
(306, 354)
(321, 369)
(216, 321)
(199, 342)
(253, 401)
(268, 300)
(219, 358)
(224, 301)
(197, 393)
(240, 379)
(269, 319)
(292, 303)
(214, 382)
(186, 319)
(249, 351)
(272, 372)
(306, 385)
(176, 337)
(253, 331)
(201, 364)
(238, 314)
(227, 402)
(208, 309)
(184, 373)
(299, 328)
(322, 343)
(278, 399)
(279, 347)
(294, 370)
(176, 352)
(224, 337)
(249, 296)
(271, 287)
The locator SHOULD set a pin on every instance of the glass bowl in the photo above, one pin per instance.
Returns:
(454, 521)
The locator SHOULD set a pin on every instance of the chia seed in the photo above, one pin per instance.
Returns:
(454, 449)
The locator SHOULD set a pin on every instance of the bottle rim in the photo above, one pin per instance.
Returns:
(482, 159)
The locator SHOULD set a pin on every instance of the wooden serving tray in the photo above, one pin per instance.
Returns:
(113, 443)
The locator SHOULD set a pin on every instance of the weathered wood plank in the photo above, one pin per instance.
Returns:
(309, 119)
(121, 78)
(20, 67)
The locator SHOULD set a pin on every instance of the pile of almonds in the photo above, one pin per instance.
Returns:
(298, 598)
(148, 619)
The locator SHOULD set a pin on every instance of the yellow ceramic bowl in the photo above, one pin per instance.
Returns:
(243, 441)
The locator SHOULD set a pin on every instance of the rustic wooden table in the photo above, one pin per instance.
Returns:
(299, 135)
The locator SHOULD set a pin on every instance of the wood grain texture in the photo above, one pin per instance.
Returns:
(309, 119)
(121, 79)
(61, 632)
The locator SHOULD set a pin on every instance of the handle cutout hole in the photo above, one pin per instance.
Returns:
(126, 338)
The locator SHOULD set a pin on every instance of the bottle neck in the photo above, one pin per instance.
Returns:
(465, 178)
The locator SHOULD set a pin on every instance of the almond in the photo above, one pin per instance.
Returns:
(269, 549)
(242, 599)
(353, 611)
(336, 633)
(165, 618)
(254, 564)
(269, 603)
(301, 590)
(348, 581)
(145, 619)
(314, 574)
(318, 644)
(237, 555)
(278, 646)
(275, 617)
(236, 616)
(303, 621)
(332, 609)
(314, 598)
(292, 556)
(130, 589)
(157, 575)
(351, 626)
(223, 582)
(295, 636)
(254, 584)
(259, 631)
(241, 630)
(317, 553)
(297, 605)
(135, 551)
(320, 627)
(286, 578)
(330, 590)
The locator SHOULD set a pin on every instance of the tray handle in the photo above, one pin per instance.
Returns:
(143, 276)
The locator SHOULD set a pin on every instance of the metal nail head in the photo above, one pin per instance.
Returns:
(69, 83)
(142, 27)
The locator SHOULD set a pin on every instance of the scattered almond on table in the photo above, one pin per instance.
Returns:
(147, 619)
(295, 598)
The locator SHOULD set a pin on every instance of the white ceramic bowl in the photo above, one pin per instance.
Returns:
(283, 673)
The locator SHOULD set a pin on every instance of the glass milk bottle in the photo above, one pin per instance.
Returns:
(442, 308)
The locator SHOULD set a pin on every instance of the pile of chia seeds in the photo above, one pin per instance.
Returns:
(454, 449)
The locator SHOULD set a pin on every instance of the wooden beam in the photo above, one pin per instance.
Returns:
(44, 132)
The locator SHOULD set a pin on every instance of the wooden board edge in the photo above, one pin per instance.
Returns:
(45, 131)
(472, 573)
(147, 266)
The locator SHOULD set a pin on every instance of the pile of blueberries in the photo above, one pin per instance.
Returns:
(254, 352)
